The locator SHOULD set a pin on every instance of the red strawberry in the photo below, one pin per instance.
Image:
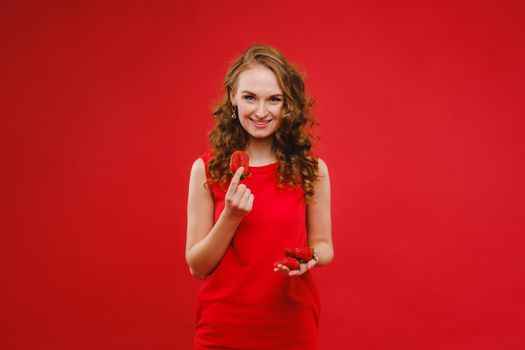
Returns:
(238, 159)
(304, 254)
(291, 263)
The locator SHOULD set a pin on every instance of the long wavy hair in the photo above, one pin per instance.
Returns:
(292, 141)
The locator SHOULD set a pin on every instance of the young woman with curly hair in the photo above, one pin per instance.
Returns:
(238, 228)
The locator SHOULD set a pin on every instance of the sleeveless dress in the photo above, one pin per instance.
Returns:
(244, 303)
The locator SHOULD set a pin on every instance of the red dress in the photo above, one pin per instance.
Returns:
(243, 303)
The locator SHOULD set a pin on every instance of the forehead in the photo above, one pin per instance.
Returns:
(259, 80)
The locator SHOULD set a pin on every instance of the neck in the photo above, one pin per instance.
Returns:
(261, 150)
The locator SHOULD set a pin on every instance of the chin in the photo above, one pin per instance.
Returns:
(265, 136)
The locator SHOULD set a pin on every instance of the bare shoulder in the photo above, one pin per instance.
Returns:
(198, 176)
(198, 191)
(322, 167)
(198, 169)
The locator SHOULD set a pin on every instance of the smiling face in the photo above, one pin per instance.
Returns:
(259, 100)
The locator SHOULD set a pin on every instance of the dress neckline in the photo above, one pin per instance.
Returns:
(263, 168)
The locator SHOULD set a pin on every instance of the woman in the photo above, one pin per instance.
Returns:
(238, 228)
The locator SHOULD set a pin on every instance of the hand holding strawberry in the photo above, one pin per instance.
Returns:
(238, 201)
(290, 263)
(300, 260)
(305, 253)
(238, 159)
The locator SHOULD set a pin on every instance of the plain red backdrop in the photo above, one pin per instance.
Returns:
(105, 105)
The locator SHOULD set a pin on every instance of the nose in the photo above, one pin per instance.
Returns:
(260, 112)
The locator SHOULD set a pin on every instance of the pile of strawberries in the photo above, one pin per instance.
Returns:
(295, 256)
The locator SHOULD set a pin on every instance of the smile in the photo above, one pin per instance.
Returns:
(260, 125)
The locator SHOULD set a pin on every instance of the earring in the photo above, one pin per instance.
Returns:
(233, 114)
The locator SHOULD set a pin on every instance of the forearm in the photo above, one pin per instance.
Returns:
(325, 252)
(206, 254)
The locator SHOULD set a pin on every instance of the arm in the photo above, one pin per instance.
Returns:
(319, 218)
(206, 243)
(318, 225)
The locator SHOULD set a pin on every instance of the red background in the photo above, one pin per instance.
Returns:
(106, 105)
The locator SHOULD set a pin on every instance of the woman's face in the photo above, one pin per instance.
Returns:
(259, 100)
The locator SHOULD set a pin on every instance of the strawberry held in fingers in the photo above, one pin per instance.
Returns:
(304, 254)
(238, 159)
(291, 263)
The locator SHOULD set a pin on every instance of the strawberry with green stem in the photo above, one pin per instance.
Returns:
(303, 254)
(303, 260)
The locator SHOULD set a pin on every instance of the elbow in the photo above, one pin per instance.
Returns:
(197, 275)
(327, 259)
(194, 273)
(325, 250)
(196, 268)
(331, 257)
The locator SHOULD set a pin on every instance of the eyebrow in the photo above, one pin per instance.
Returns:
(280, 95)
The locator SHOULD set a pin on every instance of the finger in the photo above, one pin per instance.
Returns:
(235, 181)
(245, 197)
(311, 264)
(239, 172)
(302, 269)
(283, 268)
(280, 270)
(241, 189)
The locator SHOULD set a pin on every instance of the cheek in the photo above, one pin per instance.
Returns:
(245, 109)
(276, 110)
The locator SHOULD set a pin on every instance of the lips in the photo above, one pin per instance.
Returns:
(261, 122)
(260, 125)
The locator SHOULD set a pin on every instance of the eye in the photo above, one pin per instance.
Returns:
(248, 97)
(275, 99)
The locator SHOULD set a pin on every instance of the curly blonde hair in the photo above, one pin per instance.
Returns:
(297, 164)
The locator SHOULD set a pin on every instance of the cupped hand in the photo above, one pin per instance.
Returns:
(303, 268)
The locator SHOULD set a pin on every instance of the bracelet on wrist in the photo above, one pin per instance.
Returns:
(315, 255)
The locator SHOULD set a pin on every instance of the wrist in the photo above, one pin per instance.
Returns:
(232, 216)
(315, 254)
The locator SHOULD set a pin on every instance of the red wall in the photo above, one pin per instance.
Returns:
(105, 107)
